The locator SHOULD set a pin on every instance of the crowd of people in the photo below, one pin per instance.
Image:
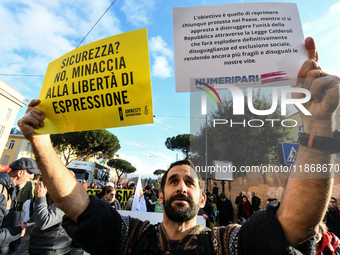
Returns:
(49, 235)
(218, 209)
(63, 212)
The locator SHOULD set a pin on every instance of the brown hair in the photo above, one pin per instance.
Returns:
(222, 196)
(179, 163)
(108, 189)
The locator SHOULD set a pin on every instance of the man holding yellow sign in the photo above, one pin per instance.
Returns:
(280, 229)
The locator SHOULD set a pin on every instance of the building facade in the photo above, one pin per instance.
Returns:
(17, 147)
(10, 103)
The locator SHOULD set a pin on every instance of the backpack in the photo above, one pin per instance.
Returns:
(148, 244)
(11, 219)
(4, 192)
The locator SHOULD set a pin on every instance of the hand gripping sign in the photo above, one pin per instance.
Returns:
(101, 85)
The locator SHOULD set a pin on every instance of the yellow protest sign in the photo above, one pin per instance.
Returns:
(122, 195)
(93, 192)
(101, 85)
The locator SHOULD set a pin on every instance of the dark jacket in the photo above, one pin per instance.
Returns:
(333, 223)
(48, 234)
(209, 210)
(255, 203)
(150, 202)
(215, 191)
(226, 212)
(101, 230)
(8, 232)
(238, 199)
(101, 193)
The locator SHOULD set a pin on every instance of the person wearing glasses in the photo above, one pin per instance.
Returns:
(110, 198)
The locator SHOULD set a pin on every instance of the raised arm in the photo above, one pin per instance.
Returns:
(68, 194)
(306, 194)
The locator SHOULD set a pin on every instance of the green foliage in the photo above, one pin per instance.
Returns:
(180, 143)
(241, 145)
(121, 166)
(87, 143)
(61, 144)
(159, 172)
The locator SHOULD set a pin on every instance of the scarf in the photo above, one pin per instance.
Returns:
(107, 200)
(113, 202)
(336, 212)
(246, 208)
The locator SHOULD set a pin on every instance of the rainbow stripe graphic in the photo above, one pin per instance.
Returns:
(213, 90)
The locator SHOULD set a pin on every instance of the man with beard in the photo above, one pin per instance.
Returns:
(333, 217)
(286, 228)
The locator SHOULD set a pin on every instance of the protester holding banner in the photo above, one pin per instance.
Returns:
(280, 229)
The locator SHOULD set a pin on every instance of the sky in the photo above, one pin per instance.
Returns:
(36, 32)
